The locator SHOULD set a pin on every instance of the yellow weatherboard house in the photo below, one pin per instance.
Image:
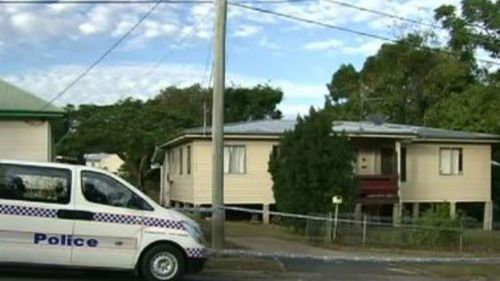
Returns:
(400, 168)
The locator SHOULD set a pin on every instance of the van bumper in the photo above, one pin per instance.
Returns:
(196, 265)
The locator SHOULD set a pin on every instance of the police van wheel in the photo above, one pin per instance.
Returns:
(163, 263)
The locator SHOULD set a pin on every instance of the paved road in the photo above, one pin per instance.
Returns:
(292, 270)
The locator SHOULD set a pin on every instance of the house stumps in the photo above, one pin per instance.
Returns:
(415, 210)
(265, 214)
(453, 210)
(488, 216)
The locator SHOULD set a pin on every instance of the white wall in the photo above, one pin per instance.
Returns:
(25, 140)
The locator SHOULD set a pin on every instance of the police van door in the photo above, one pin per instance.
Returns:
(31, 200)
(117, 221)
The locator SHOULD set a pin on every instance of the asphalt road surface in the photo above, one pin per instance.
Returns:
(292, 270)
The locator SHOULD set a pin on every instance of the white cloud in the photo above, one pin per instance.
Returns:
(47, 24)
(246, 30)
(366, 48)
(328, 44)
(357, 47)
(107, 84)
(292, 110)
(270, 45)
(53, 24)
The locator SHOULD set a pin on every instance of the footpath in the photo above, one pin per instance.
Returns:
(268, 247)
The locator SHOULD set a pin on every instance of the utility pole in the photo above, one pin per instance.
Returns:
(218, 215)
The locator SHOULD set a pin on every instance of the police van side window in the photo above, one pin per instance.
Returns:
(101, 189)
(36, 184)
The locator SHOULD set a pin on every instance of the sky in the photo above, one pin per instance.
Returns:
(44, 47)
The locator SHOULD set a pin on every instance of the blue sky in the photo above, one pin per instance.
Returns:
(44, 47)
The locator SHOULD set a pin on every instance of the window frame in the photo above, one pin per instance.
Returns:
(148, 208)
(181, 161)
(460, 171)
(188, 160)
(403, 164)
(229, 172)
(69, 174)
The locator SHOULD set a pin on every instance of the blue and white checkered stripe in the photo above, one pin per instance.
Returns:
(162, 223)
(27, 211)
(198, 253)
(138, 220)
(116, 218)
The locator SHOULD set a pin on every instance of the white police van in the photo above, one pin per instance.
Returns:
(77, 216)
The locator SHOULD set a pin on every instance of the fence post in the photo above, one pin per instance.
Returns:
(335, 222)
(364, 230)
(461, 238)
(328, 237)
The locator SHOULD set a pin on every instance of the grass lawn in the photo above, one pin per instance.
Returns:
(484, 242)
(459, 271)
(475, 242)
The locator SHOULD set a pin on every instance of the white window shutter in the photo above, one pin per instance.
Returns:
(445, 161)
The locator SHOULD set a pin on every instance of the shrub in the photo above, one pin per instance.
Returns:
(311, 165)
(435, 228)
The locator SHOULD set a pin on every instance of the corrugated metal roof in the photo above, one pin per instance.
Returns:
(263, 127)
(16, 102)
(278, 127)
(96, 156)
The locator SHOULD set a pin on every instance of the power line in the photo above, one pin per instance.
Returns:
(92, 2)
(385, 14)
(400, 18)
(207, 62)
(345, 29)
(105, 54)
(173, 48)
(310, 21)
(57, 2)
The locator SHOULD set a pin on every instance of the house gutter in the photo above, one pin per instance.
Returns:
(23, 114)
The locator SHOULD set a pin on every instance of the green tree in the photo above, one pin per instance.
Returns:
(402, 81)
(475, 109)
(345, 82)
(132, 128)
(311, 165)
(478, 25)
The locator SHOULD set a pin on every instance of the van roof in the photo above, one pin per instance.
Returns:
(41, 164)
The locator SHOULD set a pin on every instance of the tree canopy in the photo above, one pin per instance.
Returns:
(414, 82)
(477, 26)
(132, 128)
(401, 82)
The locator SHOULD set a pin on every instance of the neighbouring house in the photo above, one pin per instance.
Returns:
(105, 161)
(400, 168)
(25, 125)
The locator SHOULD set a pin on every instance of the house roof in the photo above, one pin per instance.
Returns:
(18, 103)
(351, 128)
(96, 156)
(263, 127)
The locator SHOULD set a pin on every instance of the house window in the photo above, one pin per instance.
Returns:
(181, 161)
(188, 160)
(234, 159)
(450, 161)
